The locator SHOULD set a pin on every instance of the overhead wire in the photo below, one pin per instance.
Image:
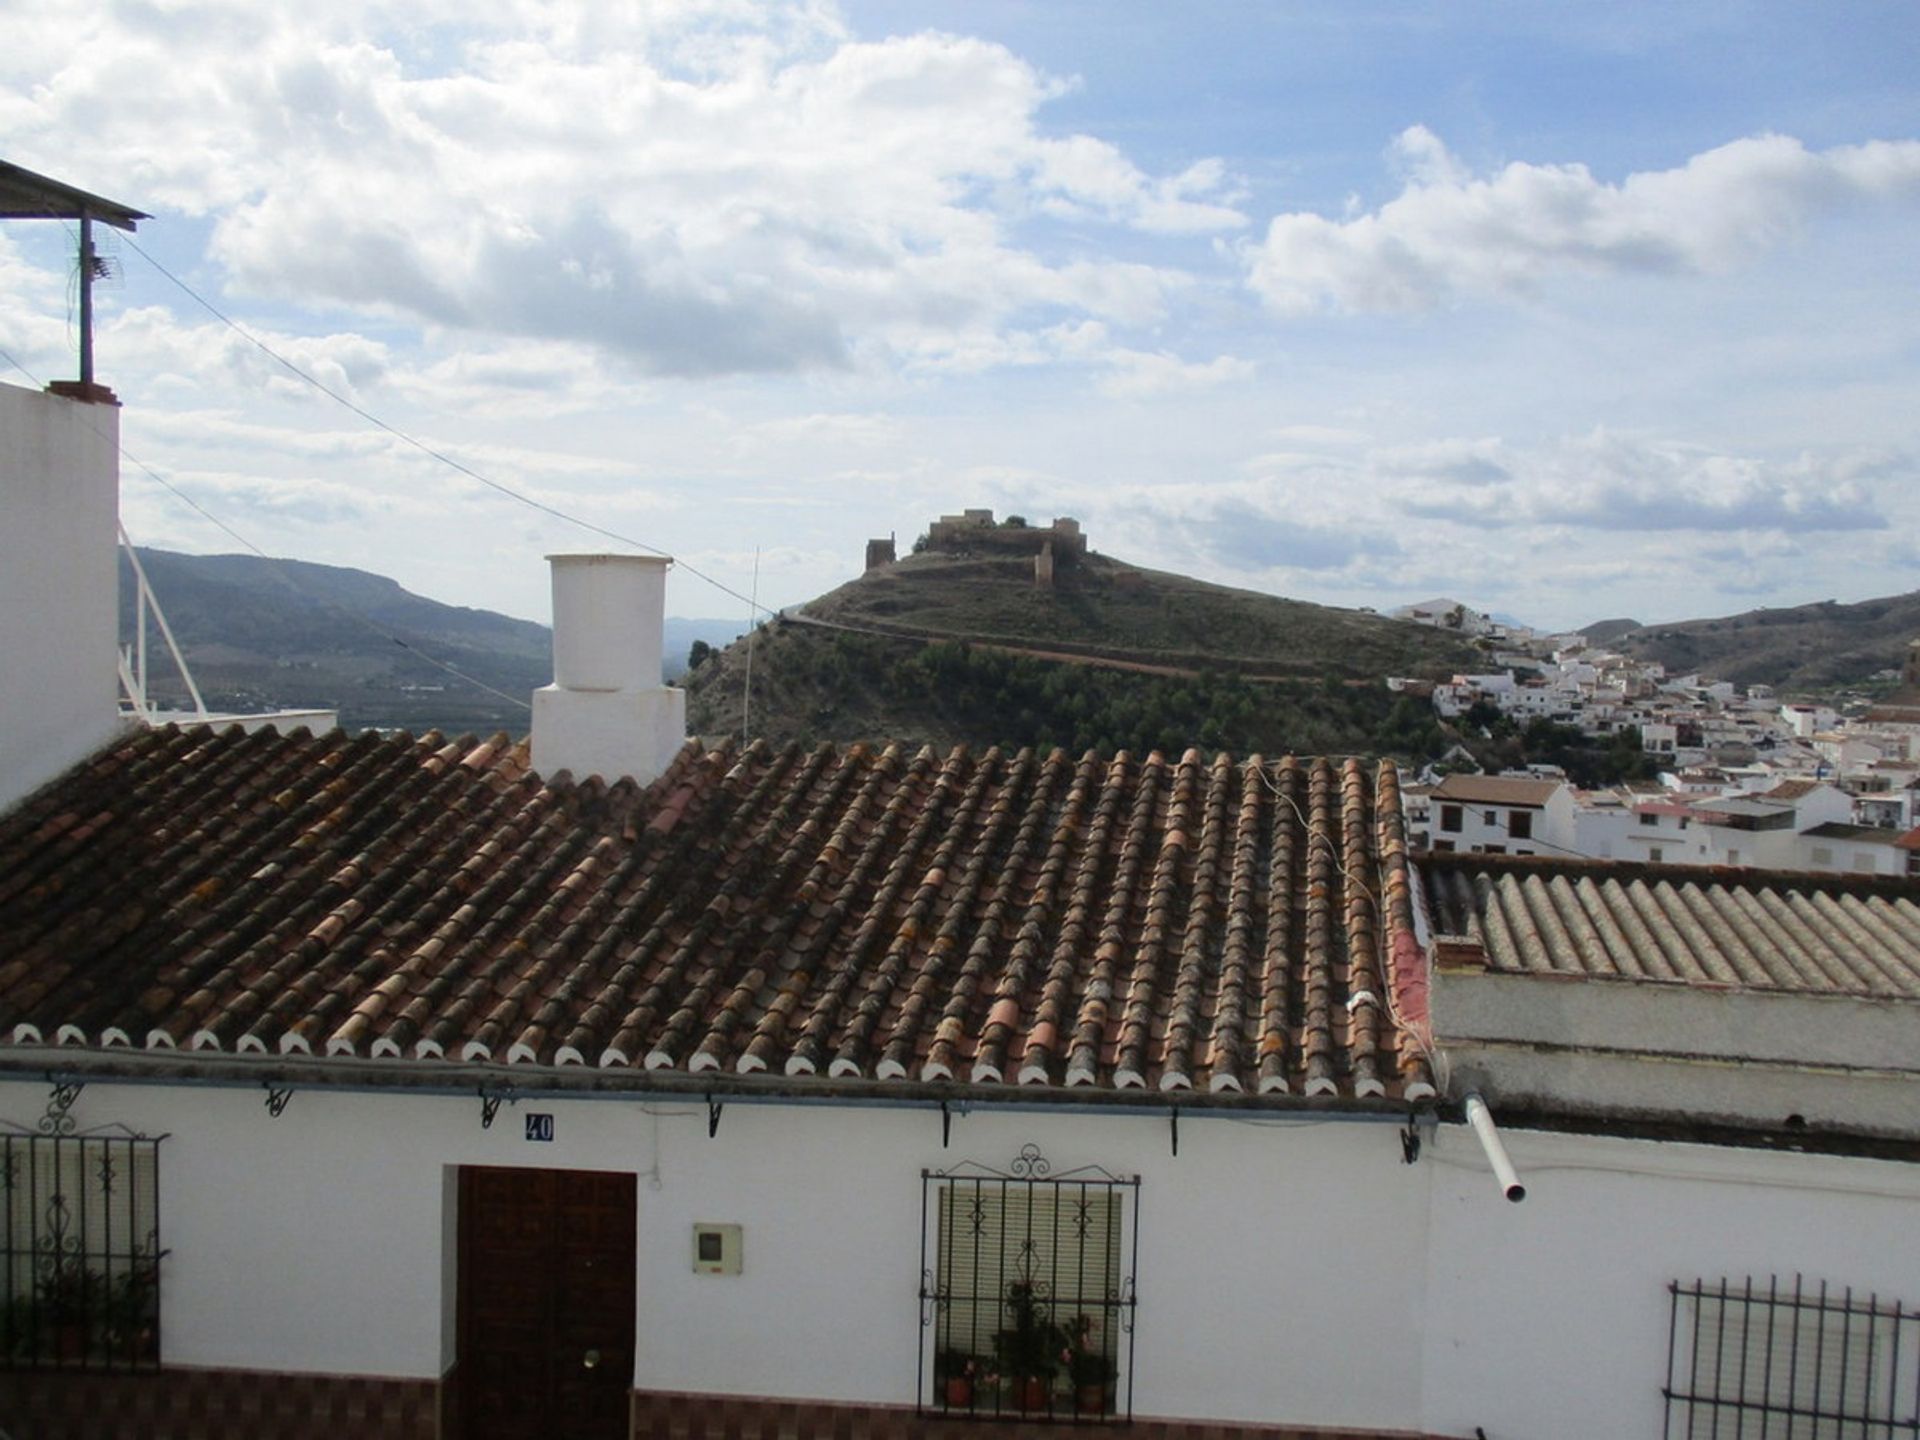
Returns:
(1427, 1049)
(280, 570)
(467, 470)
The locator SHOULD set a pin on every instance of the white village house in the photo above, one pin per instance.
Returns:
(612, 1083)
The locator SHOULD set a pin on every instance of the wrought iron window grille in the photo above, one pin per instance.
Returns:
(1747, 1361)
(1027, 1292)
(80, 1249)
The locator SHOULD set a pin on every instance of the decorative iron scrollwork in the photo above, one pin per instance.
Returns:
(59, 1120)
(1030, 1164)
(935, 1296)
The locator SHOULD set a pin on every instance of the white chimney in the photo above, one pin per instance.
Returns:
(59, 588)
(607, 712)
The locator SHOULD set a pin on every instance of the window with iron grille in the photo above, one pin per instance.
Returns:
(1027, 1292)
(80, 1268)
(1778, 1361)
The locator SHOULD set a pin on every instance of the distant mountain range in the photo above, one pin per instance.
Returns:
(267, 634)
(1114, 654)
(1806, 647)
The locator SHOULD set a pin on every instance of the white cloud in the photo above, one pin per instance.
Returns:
(702, 189)
(1449, 232)
(221, 359)
(1136, 374)
(1608, 482)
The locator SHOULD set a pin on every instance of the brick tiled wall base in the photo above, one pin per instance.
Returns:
(659, 1415)
(179, 1404)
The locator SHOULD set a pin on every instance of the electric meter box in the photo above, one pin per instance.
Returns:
(716, 1249)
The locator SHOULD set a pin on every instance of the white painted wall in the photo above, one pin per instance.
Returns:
(1289, 1269)
(1270, 1254)
(59, 588)
(1548, 1319)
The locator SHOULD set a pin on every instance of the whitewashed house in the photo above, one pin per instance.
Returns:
(1501, 815)
(606, 1084)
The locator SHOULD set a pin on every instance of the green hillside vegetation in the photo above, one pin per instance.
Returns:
(811, 685)
(932, 655)
(1101, 605)
(1805, 648)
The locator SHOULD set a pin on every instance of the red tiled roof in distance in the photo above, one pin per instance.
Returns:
(840, 915)
(1496, 790)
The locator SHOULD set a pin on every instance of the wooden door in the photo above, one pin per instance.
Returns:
(546, 1304)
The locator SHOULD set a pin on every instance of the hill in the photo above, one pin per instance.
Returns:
(946, 649)
(265, 634)
(1806, 647)
(1605, 632)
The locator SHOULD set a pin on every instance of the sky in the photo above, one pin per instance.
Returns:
(1566, 312)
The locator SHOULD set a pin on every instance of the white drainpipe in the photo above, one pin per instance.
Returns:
(607, 712)
(1481, 1119)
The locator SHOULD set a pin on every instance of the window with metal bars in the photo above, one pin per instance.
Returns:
(1747, 1361)
(80, 1267)
(1027, 1294)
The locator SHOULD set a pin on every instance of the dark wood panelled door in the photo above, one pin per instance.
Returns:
(546, 1304)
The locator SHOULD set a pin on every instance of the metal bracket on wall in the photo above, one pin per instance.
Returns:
(1421, 1123)
(58, 1120)
(490, 1104)
(714, 1107)
(1173, 1128)
(277, 1098)
(946, 1125)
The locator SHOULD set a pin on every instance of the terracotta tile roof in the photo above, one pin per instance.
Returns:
(866, 916)
(1737, 929)
(1844, 830)
(1496, 790)
(1793, 789)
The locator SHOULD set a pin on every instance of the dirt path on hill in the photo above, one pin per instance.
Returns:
(1087, 657)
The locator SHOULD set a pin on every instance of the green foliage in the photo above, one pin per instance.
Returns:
(1014, 522)
(1487, 716)
(1588, 760)
(699, 653)
(865, 687)
(1030, 1348)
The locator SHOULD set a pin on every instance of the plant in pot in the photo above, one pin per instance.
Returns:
(131, 1314)
(1029, 1350)
(71, 1297)
(954, 1372)
(1090, 1369)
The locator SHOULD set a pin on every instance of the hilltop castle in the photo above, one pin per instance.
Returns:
(974, 531)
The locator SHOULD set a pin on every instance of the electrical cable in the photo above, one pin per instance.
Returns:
(1425, 1046)
(281, 572)
(421, 445)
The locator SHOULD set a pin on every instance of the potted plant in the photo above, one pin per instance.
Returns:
(1090, 1369)
(70, 1297)
(1029, 1350)
(954, 1372)
(131, 1314)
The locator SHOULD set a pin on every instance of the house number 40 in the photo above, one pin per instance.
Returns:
(539, 1127)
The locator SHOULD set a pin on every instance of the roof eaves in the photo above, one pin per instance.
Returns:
(26, 195)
